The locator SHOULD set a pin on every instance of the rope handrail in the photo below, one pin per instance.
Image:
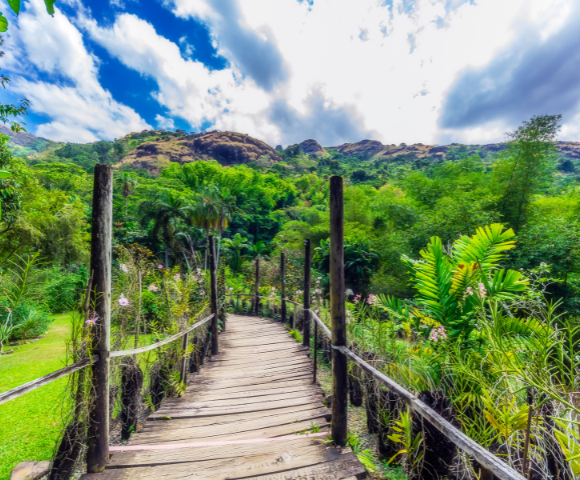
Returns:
(51, 377)
(325, 329)
(122, 353)
(484, 457)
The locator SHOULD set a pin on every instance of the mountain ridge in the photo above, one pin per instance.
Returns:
(153, 150)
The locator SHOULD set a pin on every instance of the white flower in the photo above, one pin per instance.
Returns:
(152, 288)
(124, 268)
(123, 301)
(202, 292)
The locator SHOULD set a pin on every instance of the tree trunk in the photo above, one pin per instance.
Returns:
(166, 256)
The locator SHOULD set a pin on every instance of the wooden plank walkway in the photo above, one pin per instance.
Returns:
(244, 412)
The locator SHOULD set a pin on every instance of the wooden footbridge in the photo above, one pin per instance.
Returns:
(252, 412)
(255, 410)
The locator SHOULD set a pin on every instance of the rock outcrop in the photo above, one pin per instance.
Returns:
(228, 148)
(312, 147)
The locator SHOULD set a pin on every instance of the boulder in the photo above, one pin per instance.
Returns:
(30, 470)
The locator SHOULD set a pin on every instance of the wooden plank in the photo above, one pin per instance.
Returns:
(217, 384)
(256, 372)
(253, 407)
(203, 389)
(270, 360)
(237, 402)
(297, 410)
(200, 434)
(207, 396)
(305, 462)
(203, 454)
(244, 423)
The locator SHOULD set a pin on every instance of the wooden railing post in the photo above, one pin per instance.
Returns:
(283, 289)
(337, 313)
(214, 296)
(257, 292)
(184, 359)
(307, 267)
(101, 262)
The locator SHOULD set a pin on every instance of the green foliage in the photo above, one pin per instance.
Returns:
(453, 287)
(525, 166)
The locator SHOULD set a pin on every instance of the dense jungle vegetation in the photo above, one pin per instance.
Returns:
(438, 255)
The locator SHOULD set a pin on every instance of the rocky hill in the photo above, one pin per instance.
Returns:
(372, 149)
(154, 149)
(228, 148)
(312, 147)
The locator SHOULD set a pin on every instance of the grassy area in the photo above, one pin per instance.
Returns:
(32, 423)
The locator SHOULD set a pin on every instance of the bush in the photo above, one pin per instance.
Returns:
(63, 289)
(31, 320)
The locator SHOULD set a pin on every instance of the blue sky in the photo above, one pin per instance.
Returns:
(428, 71)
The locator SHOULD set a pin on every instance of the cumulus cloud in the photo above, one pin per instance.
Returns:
(395, 71)
(536, 74)
(81, 109)
(164, 122)
(254, 49)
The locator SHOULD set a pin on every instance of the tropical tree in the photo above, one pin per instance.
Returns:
(360, 261)
(127, 183)
(214, 209)
(258, 249)
(525, 166)
(236, 246)
(193, 237)
(164, 212)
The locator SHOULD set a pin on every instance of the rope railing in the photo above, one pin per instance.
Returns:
(122, 353)
(63, 372)
(462, 441)
(51, 377)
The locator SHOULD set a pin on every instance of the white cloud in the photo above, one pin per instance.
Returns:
(81, 109)
(390, 67)
(164, 122)
(334, 70)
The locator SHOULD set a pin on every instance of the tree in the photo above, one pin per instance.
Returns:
(236, 246)
(214, 209)
(194, 238)
(525, 166)
(163, 212)
(257, 249)
(127, 183)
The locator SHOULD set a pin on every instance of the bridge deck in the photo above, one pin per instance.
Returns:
(243, 412)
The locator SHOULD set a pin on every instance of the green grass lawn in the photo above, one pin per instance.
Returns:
(31, 425)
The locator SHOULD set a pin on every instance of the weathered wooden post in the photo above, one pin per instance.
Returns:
(214, 296)
(185, 359)
(257, 292)
(315, 359)
(307, 267)
(337, 313)
(101, 260)
(283, 289)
